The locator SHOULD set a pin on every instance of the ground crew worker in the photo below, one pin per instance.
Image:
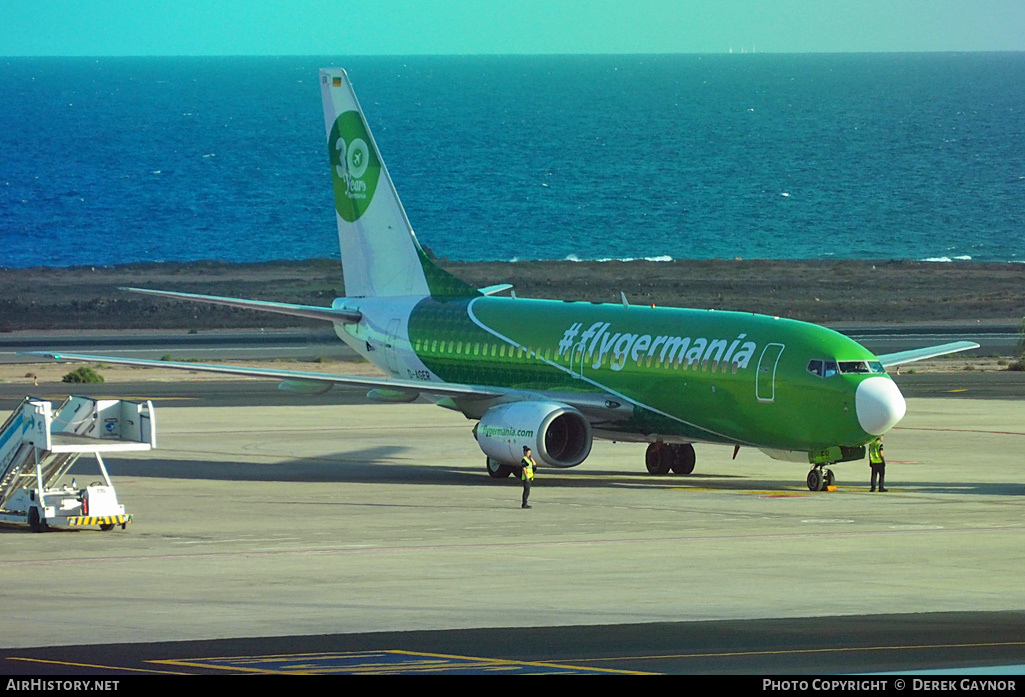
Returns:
(526, 474)
(877, 462)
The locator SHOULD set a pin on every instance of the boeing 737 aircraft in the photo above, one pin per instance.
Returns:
(555, 375)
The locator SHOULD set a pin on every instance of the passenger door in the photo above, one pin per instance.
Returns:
(765, 378)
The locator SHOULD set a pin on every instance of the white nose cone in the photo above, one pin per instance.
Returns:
(879, 405)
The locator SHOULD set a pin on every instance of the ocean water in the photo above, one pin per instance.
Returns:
(871, 156)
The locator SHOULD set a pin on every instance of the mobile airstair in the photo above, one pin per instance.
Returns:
(39, 445)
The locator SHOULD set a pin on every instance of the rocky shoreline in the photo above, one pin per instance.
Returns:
(827, 292)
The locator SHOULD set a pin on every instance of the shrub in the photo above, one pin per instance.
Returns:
(1018, 366)
(83, 374)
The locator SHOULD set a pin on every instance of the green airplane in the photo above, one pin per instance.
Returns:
(554, 375)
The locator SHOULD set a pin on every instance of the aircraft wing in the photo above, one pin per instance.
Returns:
(444, 389)
(311, 311)
(890, 359)
(598, 407)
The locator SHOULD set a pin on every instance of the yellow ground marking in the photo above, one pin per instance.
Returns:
(94, 665)
(312, 666)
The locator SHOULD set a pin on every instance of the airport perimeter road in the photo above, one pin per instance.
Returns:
(207, 346)
(319, 521)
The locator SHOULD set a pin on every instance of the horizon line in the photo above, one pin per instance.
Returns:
(506, 55)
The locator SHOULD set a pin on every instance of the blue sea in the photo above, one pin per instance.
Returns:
(871, 156)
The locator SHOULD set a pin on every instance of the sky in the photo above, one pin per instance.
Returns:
(417, 27)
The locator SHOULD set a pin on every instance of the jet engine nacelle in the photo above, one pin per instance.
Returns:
(557, 434)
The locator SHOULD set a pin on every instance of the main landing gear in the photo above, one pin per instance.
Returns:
(662, 457)
(820, 478)
(497, 470)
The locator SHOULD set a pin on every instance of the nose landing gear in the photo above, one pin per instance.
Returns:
(819, 479)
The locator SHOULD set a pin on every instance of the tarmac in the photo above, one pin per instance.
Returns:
(376, 526)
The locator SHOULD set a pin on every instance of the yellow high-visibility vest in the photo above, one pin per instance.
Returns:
(528, 468)
(875, 452)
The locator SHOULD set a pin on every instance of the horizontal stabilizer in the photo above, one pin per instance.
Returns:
(497, 288)
(921, 354)
(330, 314)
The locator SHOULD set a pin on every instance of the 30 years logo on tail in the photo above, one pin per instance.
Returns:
(355, 167)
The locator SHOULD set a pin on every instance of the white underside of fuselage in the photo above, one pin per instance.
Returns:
(382, 335)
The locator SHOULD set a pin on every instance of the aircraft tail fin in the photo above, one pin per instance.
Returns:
(380, 254)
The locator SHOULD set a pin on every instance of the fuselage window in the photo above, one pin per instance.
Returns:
(829, 369)
(815, 367)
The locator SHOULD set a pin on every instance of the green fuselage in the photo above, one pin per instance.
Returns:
(689, 375)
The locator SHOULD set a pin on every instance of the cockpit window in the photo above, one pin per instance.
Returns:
(827, 369)
(861, 367)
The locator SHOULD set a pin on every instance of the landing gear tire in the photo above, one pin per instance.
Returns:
(683, 458)
(106, 526)
(35, 522)
(657, 458)
(814, 480)
(820, 478)
(496, 469)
